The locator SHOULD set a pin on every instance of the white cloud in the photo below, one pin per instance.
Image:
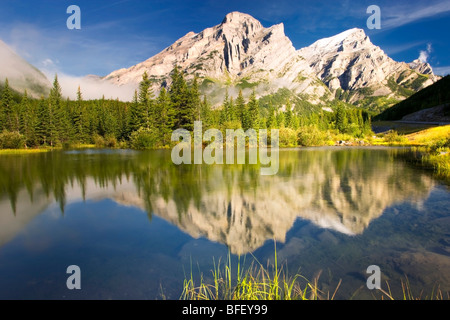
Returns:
(92, 87)
(425, 54)
(48, 62)
(397, 16)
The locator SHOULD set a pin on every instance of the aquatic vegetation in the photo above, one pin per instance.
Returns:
(256, 282)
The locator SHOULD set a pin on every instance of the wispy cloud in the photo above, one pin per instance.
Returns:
(396, 16)
(398, 48)
(424, 54)
(80, 52)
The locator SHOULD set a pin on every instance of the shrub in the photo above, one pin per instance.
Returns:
(99, 141)
(288, 137)
(392, 136)
(12, 140)
(143, 139)
(311, 136)
(440, 145)
(111, 141)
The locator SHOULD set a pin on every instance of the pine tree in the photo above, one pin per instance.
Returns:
(64, 127)
(288, 115)
(253, 112)
(341, 119)
(280, 120)
(182, 100)
(121, 114)
(7, 109)
(164, 116)
(146, 101)
(195, 100)
(57, 114)
(28, 120)
(45, 125)
(271, 120)
(205, 114)
(79, 119)
(240, 107)
(135, 120)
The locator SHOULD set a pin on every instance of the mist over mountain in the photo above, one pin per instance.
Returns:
(240, 53)
(21, 75)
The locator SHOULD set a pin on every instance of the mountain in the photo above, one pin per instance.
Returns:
(240, 53)
(350, 62)
(430, 105)
(21, 75)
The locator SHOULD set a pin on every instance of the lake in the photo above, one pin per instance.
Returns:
(137, 225)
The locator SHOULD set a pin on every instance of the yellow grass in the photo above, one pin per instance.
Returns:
(429, 136)
(22, 151)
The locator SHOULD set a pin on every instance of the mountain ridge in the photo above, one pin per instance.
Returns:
(241, 53)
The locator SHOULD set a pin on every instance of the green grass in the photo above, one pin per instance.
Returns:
(22, 151)
(409, 294)
(431, 147)
(256, 282)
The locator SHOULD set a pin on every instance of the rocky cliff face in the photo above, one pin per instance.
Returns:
(240, 52)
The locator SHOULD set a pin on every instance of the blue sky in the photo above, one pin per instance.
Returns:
(120, 33)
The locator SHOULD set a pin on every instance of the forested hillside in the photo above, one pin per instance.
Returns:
(148, 121)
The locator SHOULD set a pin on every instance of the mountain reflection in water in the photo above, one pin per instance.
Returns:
(339, 189)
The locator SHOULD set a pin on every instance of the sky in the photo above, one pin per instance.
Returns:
(118, 34)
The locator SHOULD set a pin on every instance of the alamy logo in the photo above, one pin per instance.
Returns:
(374, 280)
(74, 281)
(374, 21)
(213, 153)
(74, 21)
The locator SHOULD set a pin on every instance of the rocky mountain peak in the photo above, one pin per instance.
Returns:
(349, 39)
(421, 67)
(241, 52)
(238, 19)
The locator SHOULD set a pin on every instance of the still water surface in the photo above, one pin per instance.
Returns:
(136, 224)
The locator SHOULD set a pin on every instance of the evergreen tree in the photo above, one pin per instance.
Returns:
(288, 115)
(135, 119)
(341, 119)
(240, 107)
(183, 101)
(45, 126)
(7, 120)
(253, 112)
(146, 102)
(280, 120)
(195, 100)
(80, 119)
(60, 123)
(28, 121)
(271, 120)
(206, 114)
(122, 124)
(164, 116)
